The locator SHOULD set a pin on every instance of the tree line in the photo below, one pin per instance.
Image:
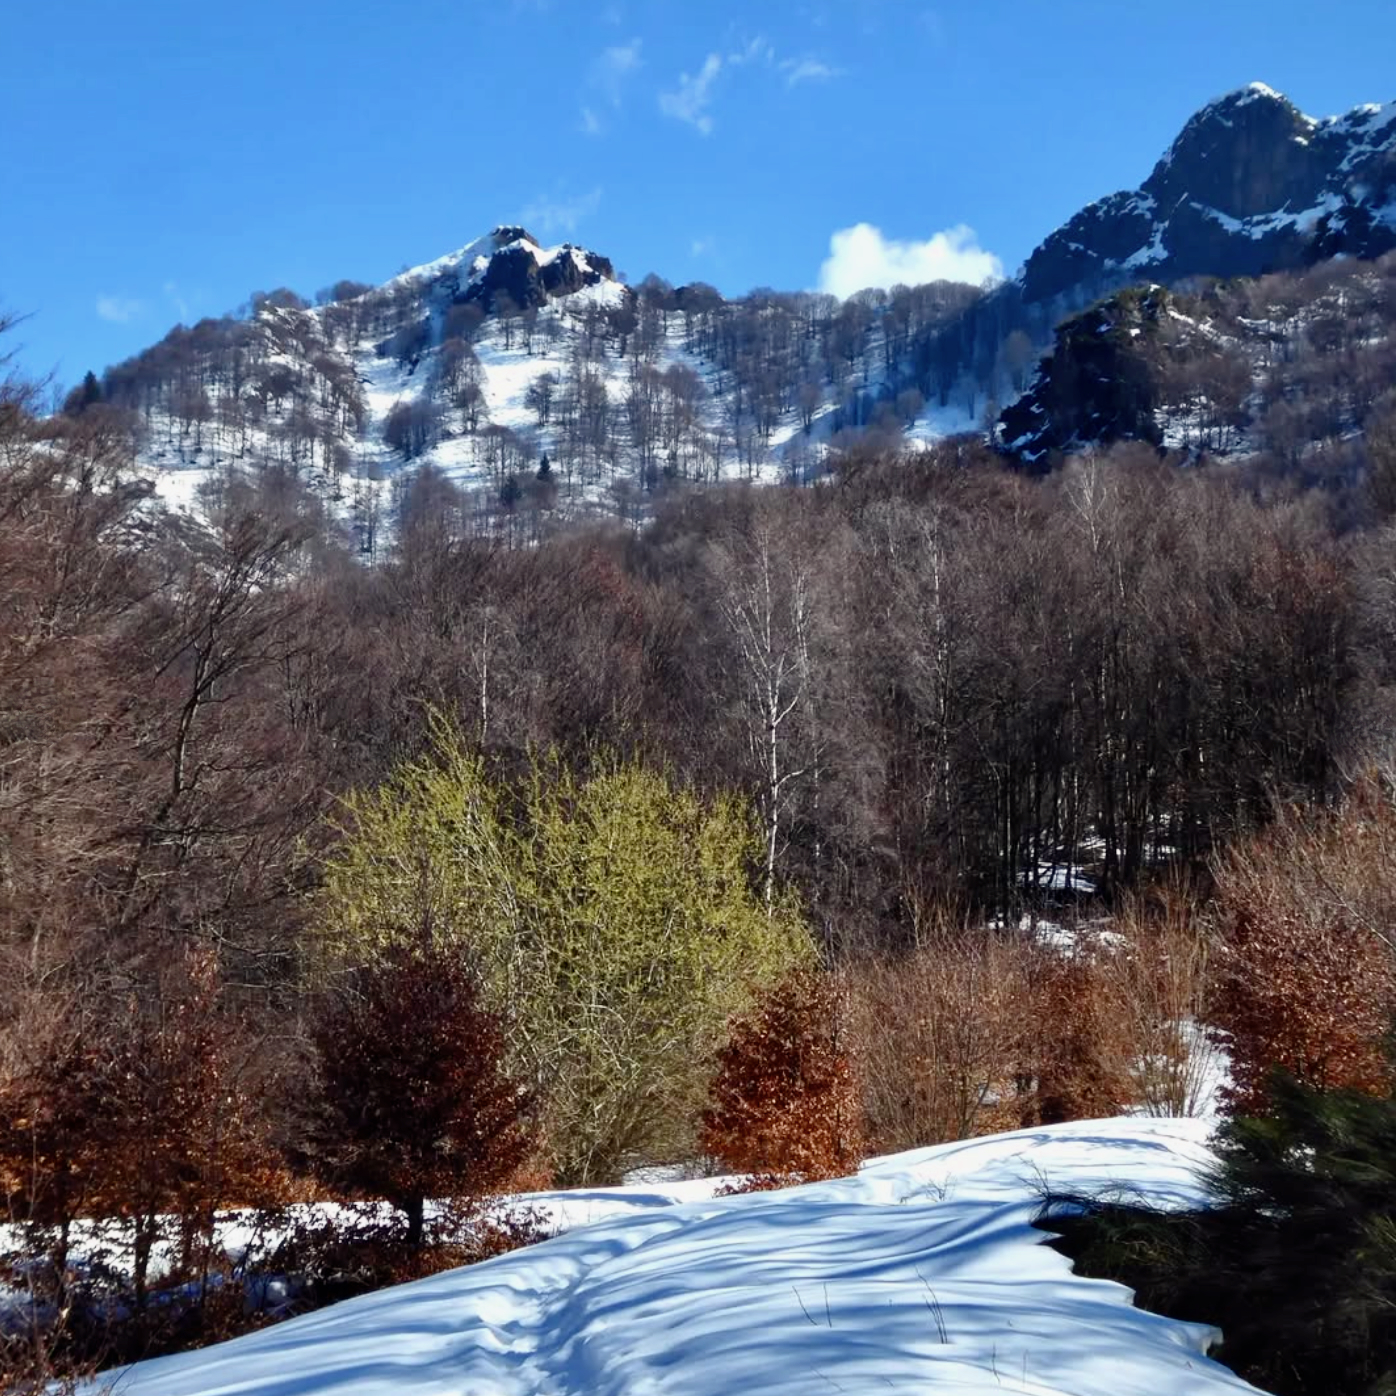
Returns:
(784, 767)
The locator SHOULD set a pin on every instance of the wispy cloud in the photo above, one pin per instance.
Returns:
(607, 80)
(119, 310)
(861, 256)
(615, 67)
(177, 299)
(798, 70)
(703, 247)
(561, 213)
(757, 50)
(690, 100)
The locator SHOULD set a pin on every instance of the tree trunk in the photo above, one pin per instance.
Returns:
(415, 1207)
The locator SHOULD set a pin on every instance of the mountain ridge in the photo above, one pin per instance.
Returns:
(532, 375)
(1251, 184)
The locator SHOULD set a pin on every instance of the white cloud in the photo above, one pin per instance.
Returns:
(703, 247)
(560, 213)
(798, 70)
(616, 64)
(607, 79)
(690, 101)
(757, 50)
(860, 257)
(119, 310)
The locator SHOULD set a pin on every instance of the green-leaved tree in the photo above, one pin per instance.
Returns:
(613, 916)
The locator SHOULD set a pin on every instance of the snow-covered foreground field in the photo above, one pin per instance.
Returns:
(922, 1274)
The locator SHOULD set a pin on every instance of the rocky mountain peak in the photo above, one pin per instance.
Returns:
(1250, 153)
(509, 269)
(1250, 185)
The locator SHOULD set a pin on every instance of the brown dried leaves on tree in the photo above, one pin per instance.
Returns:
(941, 1033)
(784, 1102)
(1307, 976)
(125, 1128)
(411, 1099)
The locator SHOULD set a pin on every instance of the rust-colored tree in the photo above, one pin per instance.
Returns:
(410, 1098)
(784, 1102)
(186, 1121)
(52, 1133)
(145, 1117)
(137, 1121)
(1306, 976)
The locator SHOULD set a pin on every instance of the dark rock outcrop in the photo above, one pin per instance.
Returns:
(1251, 185)
(1098, 385)
(520, 275)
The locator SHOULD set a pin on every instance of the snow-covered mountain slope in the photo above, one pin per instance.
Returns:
(485, 363)
(1250, 185)
(924, 1273)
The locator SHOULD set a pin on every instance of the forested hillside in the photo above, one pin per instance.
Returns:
(534, 384)
(507, 727)
(540, 387)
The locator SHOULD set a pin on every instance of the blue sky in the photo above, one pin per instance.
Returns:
(165, 159)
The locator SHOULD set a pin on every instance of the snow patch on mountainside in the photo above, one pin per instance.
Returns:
(658, 413)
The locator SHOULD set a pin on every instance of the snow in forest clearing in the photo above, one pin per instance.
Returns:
(922, 1274)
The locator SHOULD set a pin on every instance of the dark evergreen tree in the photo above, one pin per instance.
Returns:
(87, 394)
(1296, 1262)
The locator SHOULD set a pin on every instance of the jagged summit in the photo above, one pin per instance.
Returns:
(1245, 96)
(509, 266)
(1251, 184)
(530, 276)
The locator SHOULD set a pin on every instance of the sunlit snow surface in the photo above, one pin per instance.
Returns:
(923, 1274)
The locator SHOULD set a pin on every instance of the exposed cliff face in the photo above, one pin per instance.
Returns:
(1245, 156)
(1097, 386)
(1251, 185)
(529, 277)
(1289, 374)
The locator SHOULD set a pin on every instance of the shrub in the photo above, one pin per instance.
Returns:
(613, 915)
(1305, 976)
(1158, 969)
(942, 1032)
(784, 1102)
(975, 1031)
(1080, 1053)
(354, 1252)
(410, 1099)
